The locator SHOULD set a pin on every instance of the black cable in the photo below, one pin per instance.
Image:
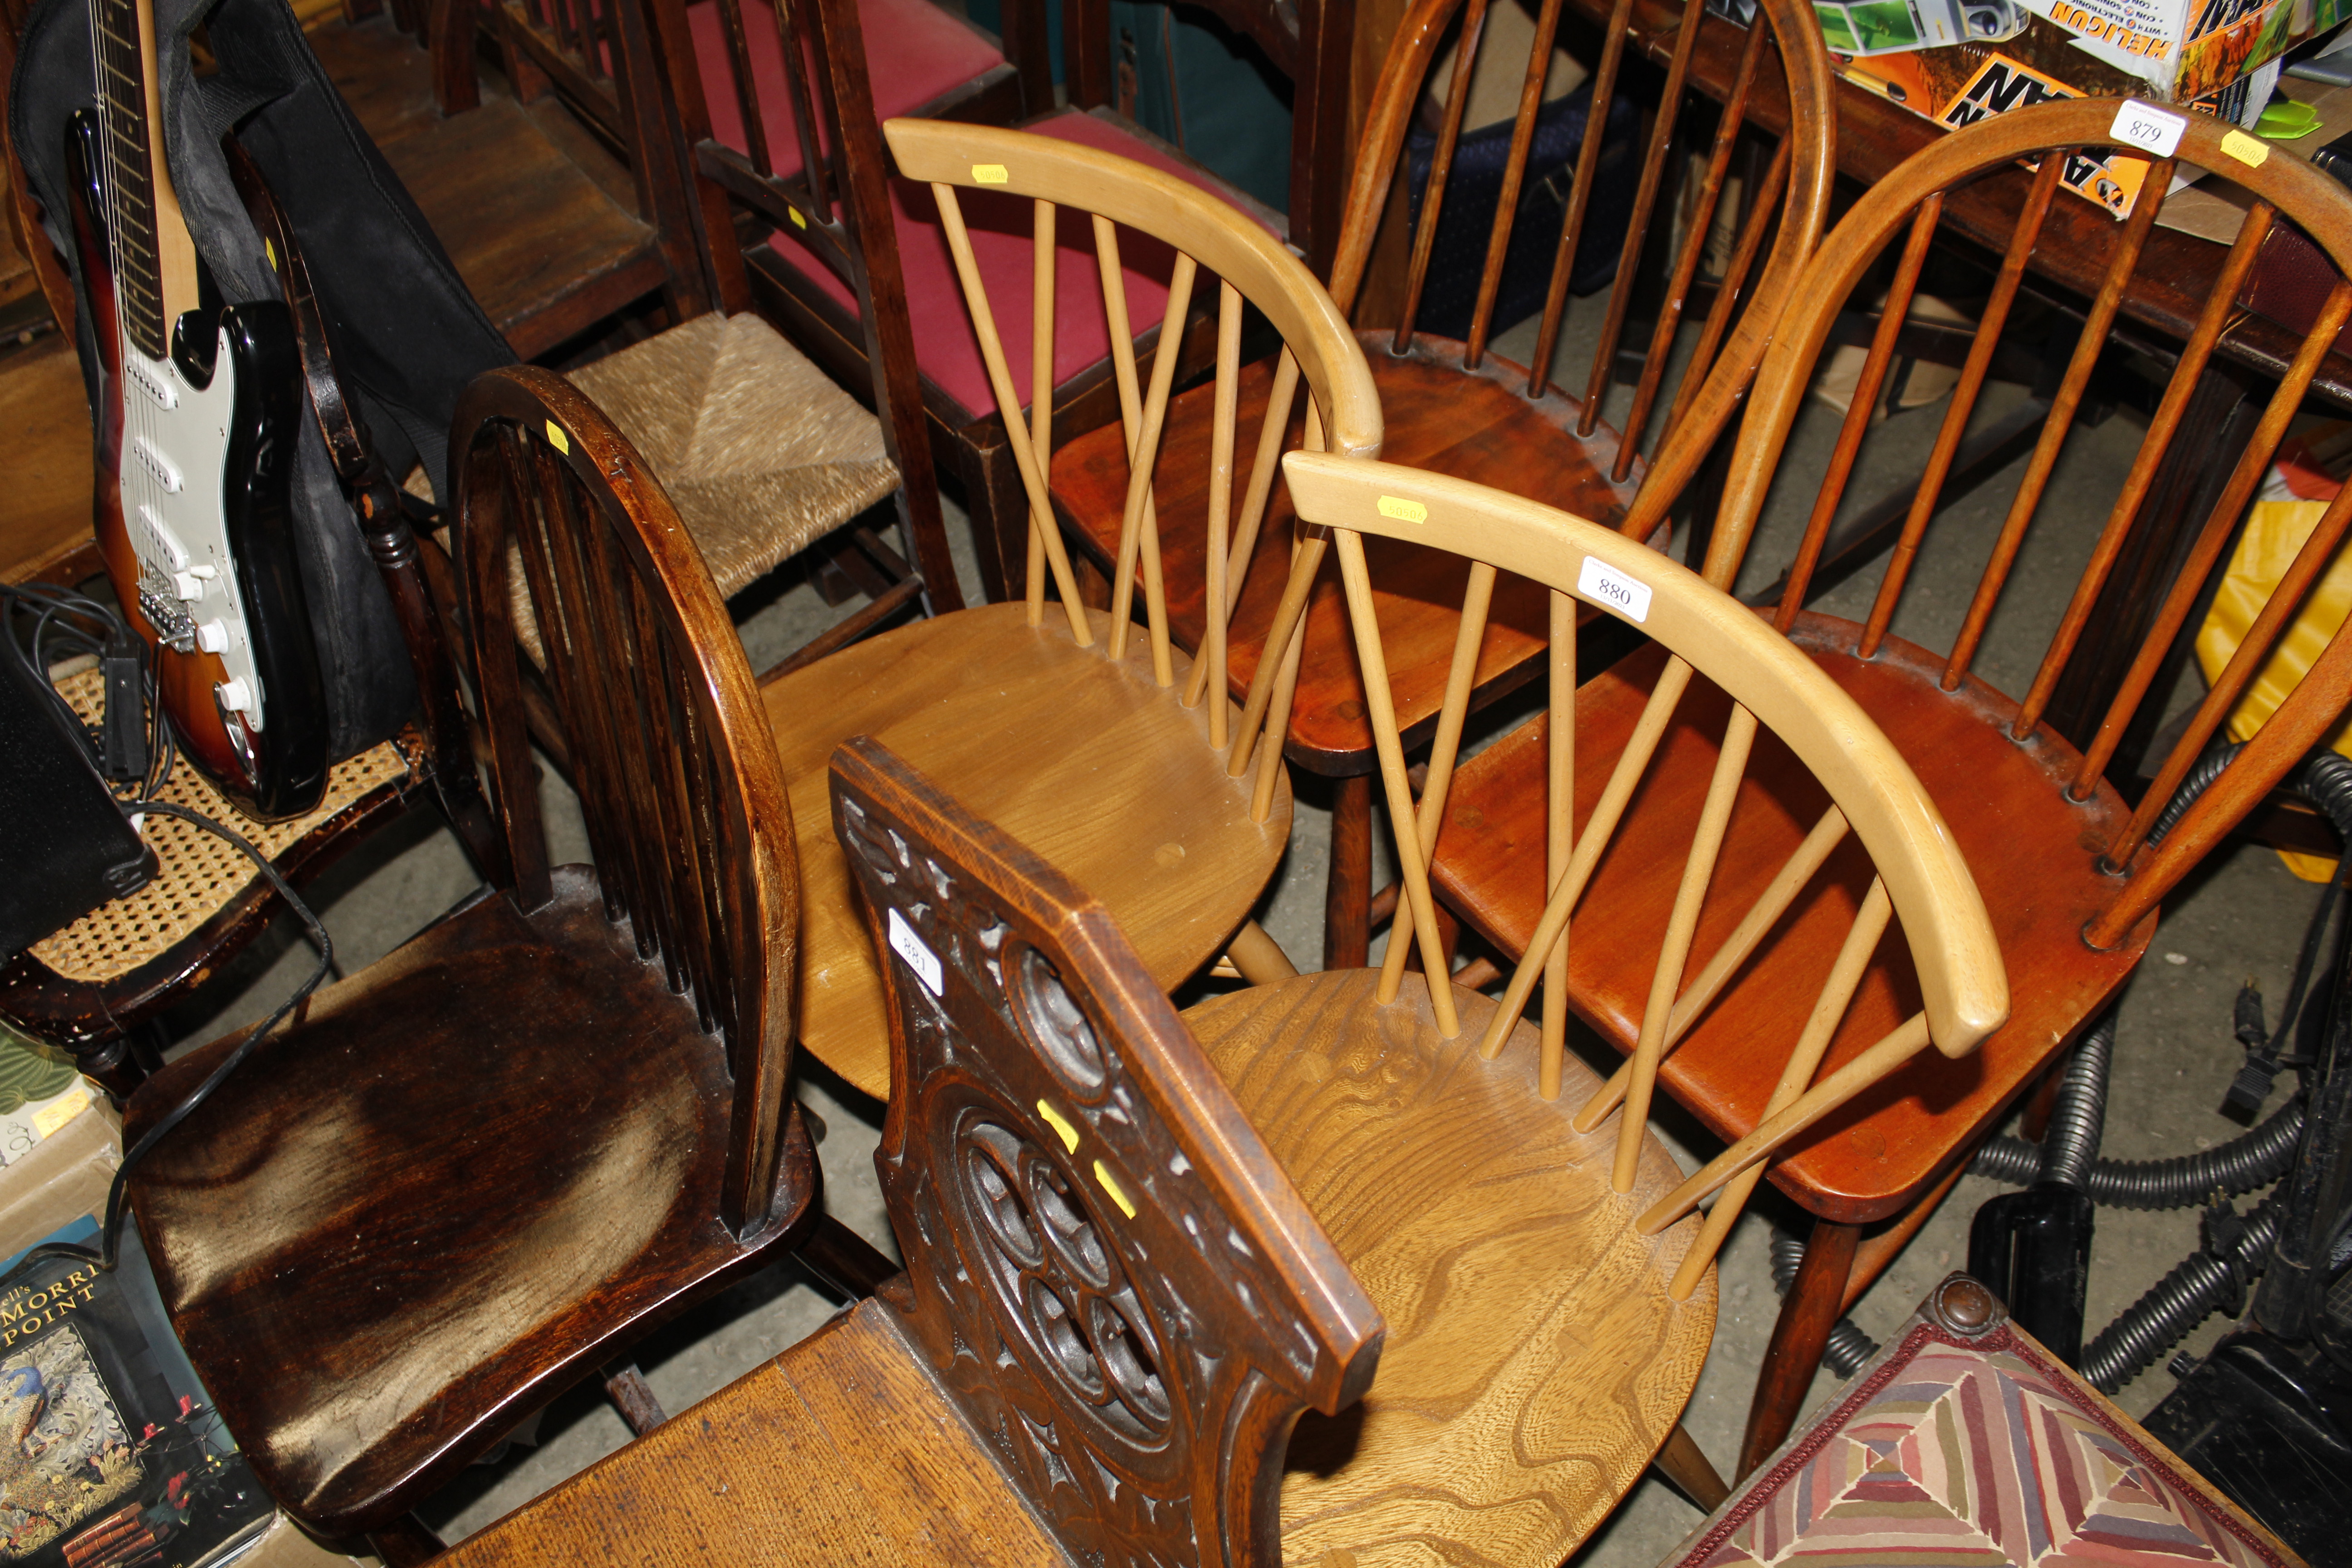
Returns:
(110, 1237)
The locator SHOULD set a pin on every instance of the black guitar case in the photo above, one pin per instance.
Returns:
(405, 333)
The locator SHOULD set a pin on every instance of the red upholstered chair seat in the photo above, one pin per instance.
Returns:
(1965, 1441)
(946, 351)
(928, 53)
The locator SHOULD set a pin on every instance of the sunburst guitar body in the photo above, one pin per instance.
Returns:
(198, 405)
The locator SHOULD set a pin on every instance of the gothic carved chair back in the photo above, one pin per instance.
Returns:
(1115, 1281)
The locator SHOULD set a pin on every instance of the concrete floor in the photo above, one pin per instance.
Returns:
(2241, 918)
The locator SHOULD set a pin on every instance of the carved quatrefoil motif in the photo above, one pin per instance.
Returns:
(1065, 1294)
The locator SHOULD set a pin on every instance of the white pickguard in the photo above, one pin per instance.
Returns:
(174, 446)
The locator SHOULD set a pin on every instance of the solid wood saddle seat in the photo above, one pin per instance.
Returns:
(587, 1110)
(538, 222)
(1526, 1380)
(44, 428)
(1437, 418)
(2035, 852)
(1018, 724)
(1522, 1384)
(840, 1451)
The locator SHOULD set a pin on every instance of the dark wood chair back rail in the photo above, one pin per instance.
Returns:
(2287, 190)
(1114, 1280)
(677, 770)
(1795, 190)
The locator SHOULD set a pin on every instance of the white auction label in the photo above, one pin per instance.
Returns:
(1629, 596)
(2144, 125)
(919, 958)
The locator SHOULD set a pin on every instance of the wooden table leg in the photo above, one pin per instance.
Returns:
(1348, 896)
(1807, 1314)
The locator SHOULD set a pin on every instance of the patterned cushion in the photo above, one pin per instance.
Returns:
(1965, 1443)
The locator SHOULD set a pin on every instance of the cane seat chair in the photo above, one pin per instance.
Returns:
(2069, 870)
(1066, 726)
(482, 1167)
(1115, 1304)
(1456, 406)
(1451, 1146)
(90, 986)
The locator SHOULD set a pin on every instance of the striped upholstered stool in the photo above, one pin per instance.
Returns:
(1963, 1441)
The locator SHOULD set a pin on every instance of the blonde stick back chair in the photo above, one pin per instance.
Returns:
(1073, 729)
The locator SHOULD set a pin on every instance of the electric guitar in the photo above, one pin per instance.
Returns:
(198, 405)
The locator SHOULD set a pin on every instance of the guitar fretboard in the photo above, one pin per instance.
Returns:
(130, 174)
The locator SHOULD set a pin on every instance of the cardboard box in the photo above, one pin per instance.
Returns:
(2171, 51)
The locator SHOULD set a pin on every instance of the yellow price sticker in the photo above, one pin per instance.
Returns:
(2245, 149)
(49, 1118)
(1060, 1124)
(557, 439)
(990, 173)
(1118, 1195)
(1402, 509)
(798, 221)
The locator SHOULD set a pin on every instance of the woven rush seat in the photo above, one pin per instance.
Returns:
(759, 451)
(200, 874)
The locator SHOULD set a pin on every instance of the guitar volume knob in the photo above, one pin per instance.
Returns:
(213, 637)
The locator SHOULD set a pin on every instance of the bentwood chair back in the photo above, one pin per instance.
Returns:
(1454, 407)
(2066, 862)
(1531, 1244)
(1081, 733)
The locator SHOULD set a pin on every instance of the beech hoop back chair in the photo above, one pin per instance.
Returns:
(1916, 879)
(2069, 874)
(1115, 1305)
(558, 1117)
(1427, 1125)
(1454, 407)
(1065, 726)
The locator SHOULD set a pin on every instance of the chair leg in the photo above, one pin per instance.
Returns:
(1258, 957)
(1348, 896)
(627, 1387)
(405, 1541)
(1807, 1314)
(1686, 1466)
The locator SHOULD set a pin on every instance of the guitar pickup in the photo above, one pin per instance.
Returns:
(157, 388)
(166, 472)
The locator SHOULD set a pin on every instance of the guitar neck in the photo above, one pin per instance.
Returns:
(154, 261)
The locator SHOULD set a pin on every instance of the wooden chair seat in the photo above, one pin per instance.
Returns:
(44, 428)
(1019, 723)
(582, 256)
(947, 352)
(766, 1471)
(278, 1209)
(2004, 805)
(760, 452)
(1530, 1372)
(1445, 421)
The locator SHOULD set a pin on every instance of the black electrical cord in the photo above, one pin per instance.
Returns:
(51, 603)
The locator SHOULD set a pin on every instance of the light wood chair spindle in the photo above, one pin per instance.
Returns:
(1068, 727)
(1429, 1126)
(1454, 407)
(2069, 874)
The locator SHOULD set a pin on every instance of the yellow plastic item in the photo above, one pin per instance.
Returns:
(2291, 501)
